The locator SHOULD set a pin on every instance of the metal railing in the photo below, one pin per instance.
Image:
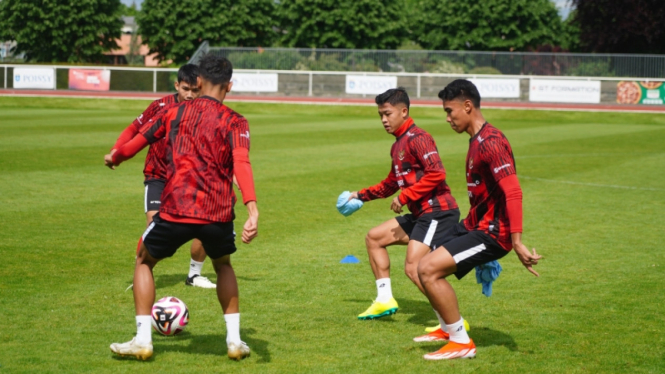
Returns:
(446, 62)
(309, 83)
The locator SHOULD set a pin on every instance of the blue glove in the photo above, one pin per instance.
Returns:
(486, 274)
(348, 207)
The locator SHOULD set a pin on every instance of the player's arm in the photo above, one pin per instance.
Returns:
(150, 133)
(133, 129)
(238, 138)
(381, 190)
(513, 194)
(502, 167)
(424, 150)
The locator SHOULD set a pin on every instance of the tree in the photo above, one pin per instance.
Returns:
(61, 30)
(621, 26)
(364, 24)
(175, 28)
(490, 25)
(130, 11)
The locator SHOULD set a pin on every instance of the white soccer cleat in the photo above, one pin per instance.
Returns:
(200, 281)
(238, 351)
(132, 348)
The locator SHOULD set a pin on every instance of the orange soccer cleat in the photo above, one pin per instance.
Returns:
(434, 336)
(453, 350)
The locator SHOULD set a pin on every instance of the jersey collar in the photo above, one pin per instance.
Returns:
(405, 126)
(210, 98)
(479, 131)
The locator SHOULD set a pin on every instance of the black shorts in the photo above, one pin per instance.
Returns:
(470, 248)
(430, 227)
(153, 194)
(163, 238)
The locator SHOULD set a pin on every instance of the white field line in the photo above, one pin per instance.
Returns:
(592, 184)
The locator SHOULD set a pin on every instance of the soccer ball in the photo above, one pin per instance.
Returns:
(169, 316)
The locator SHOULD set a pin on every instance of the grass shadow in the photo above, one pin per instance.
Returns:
(213, 344)
(482, 337)
(421, 314)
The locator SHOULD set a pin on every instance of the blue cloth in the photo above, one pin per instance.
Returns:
(348, 207)
(486, 274)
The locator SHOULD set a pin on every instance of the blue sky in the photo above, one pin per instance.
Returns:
(562, 5)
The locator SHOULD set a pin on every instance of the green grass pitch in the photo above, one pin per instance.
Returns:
(594, 196)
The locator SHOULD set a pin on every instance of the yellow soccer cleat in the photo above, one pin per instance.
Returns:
(437, 327)
(379, 309)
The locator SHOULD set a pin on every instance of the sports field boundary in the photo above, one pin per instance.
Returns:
(623, 108)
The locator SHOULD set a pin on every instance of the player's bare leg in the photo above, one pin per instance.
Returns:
(433, 270)
(227, 293)
(144, 297)
(377, 239)
(149, 215)
(415, 251)
(144, 283)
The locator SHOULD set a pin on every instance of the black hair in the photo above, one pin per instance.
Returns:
(188, 74)
(461, 89)
(216, 70)
(394, 96)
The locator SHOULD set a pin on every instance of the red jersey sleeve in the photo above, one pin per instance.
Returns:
(134, 128)
(125, 136)
(238, 138)
(511, 188)
(155, 129)
(383, 189)
(499, 157)
(424, 150)
(238, 135)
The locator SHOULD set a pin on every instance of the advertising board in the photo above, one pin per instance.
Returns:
(498, 88)
(630, 92)
(43, 78)
(89, 80)
(564, 91)
(243, 82)
(373, 85)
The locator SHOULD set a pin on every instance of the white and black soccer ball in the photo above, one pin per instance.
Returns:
(169, 316)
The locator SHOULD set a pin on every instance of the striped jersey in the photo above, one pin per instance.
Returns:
(490, 159)
(200, 136)
(414, 155)
(155, 166)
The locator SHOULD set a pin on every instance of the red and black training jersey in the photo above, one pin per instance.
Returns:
(155, 167)
(201, 135)
(489, 160)
(416, 169)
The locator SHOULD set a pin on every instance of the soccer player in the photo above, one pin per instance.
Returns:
(493, 226)
(417, 170)
(155, 169)
(207, 144)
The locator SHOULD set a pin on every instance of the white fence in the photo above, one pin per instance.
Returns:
(357, 84)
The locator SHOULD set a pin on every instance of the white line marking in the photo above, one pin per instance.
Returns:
(593, 184)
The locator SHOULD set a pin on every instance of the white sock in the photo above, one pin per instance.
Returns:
(195, 268)
(458, 332)
(144, 329)
(441, 321)
(232, 328)
(384, 291)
